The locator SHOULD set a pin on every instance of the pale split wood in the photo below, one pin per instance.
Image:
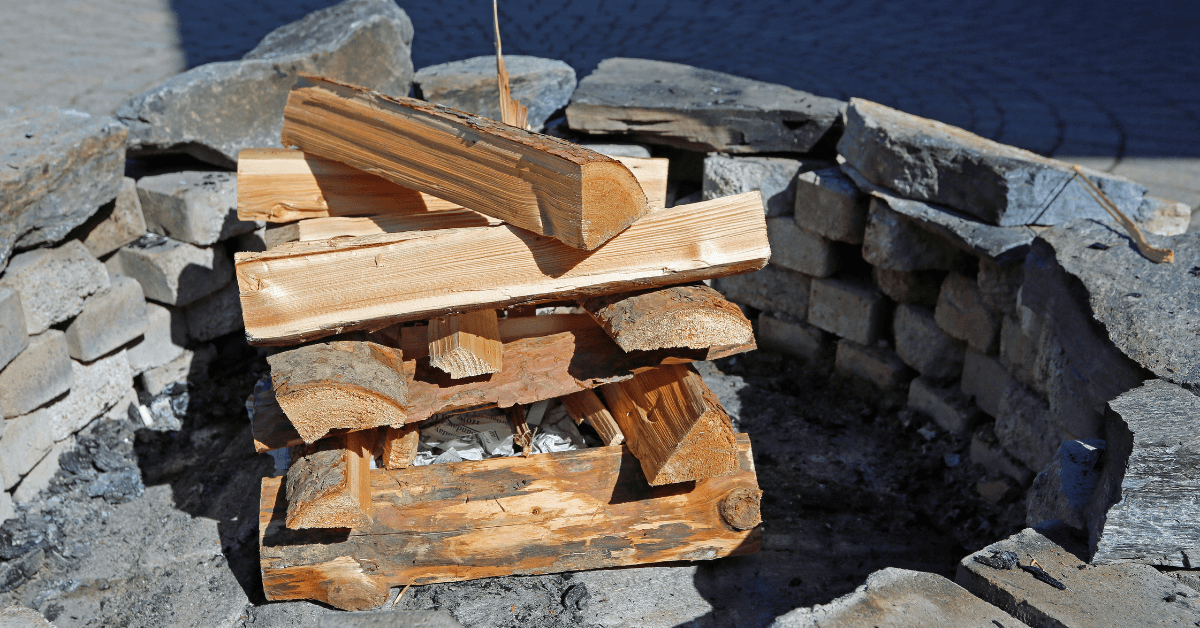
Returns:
(414, 339)
(674, 425)
(522, 435)
(536, 182)
(651, 174)
(339, 384)
(400, 446)
(692, 315)
(467, 344)
(329, 485)
(305, 290)
(511, 111)
(585, 405)
(545, 513)
(349, 226)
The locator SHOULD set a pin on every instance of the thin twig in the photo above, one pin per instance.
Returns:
(511, 111)
(1152, 253)
(402, 592)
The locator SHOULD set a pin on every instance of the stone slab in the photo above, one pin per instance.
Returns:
(773, 177)
(164, 339)
(215, 315)
(195, 207)
(669, 103)
(26, 440)
(848, 308)
(215, 110)
(793, 338)
(948, 406)
(13, 335)
(1026, 427)
(54, 283)
(542, 85)
(38, 478)
(117, 223)
(919, 287)
(39, 374)
(893, 241)
(799, 250)
(828, 203)
(1063, 490)
(174, 272)
(771, 289)
(985, 379)
(924, 346)
(1095, 596)
(877, 365)
(963, 313)
(60, 167)
(109, 319)
(95, 389)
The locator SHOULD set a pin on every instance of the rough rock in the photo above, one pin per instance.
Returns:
(388, 619)
(771, 289)
(984, 378)
(542, 85)
(924, 346)
(1145, 507)
(215, 110)
(948, 406)
(798, 339)
(828, 203)
(964, 314)
(619, 150)
(898, 598)
(773, 177)
(40, 373)
(1025, 427)
(54, 283)
(216, 314)
(109, 319)
(1000, 285)
(848, 308)
(799, 250)
(26, 440)
(6, 511)
(920, 287)
(1164, 217)
(670, 103)
(1063, 490)
(95, 389)
(877, 365)
(895, 242)
(116, 224)
(174, 272)
(165, 336)
(60, 167)
(1001, 185)
(190, 366)
(195, 207)
(13, 335)
(987, 452)
(38, 478)
(21, 617)
(1095, 597)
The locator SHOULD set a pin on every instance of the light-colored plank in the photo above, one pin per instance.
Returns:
(585, 405)
(467, 344)
(691, 315)
(536, 182)
(306, 290)
(329, 485)
(400, 446)
(545, 513)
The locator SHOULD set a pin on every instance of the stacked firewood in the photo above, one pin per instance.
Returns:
(425, 262)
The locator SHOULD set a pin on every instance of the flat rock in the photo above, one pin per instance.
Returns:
(829, 203)
(26, 440)
(215, 110)
(13, 337)
(773, 177)
(54, 283)
(1145, 508)
(117, 223)
(60, 166)
(542, 85)
(39, 374)
(1063, 490)
(191, 206)
(679, 105)
(899, 598)
(96, 387)
(174, 272)
(897, 242)
(925, 160)
(110, 319)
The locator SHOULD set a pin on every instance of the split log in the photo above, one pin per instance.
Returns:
(400, 446)
(674, 425)
(586, 406)
(466, 345)
(329, 484)
(339, 384)
(545, 513)
(536, 182)
(305, 290)
(340, 227)
(535, 368)
(693, 316)
(522, 435)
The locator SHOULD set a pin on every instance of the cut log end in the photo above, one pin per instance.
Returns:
(461, 363)
(400, 446)
(612, 200)
(693, 329)
(741, 508)
(466, 345)
(329, 486)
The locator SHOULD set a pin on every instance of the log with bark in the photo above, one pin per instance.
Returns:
(692, 315)
(329, 486)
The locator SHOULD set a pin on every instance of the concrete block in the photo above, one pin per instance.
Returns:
(96, 388)
(26, 439)
(117, 224)
(948, 406)
(984, 379)
(829, 204)
(216, 314)
(797, 339)
(898, 598)
(875, 364)
(1064, 489)
(920, 287)
(173, 272)
(894, 241)
(987, 452)
(800, 250)
(195, 207)
(191, 366)
(924, 346)
(39, 374)
(542, 85)
(110, 319)
(54, 283)
(848, 308)
(124, 408)
(164, 339)
(1095, 596)
(773, 177)
(1018, 352)
(772, 289)
(1026, 428)
(13, 335)
(999, 285)
(962, 313)
(38, 478)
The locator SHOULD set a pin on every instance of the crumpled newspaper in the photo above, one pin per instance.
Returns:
(486, 434)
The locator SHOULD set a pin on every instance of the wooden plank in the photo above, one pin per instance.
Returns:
(692, 315)
(348, 226)
(535, 368)
(329, 484)
(339, 384)
(585, 405)
(305, 290)
(466, 345)
(536, 182)
(400, 446)
(674, 425)
(414, 339)
(545, 513)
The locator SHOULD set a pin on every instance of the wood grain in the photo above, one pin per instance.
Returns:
(329, 486)
(536, 182)
(400, 446)
(466, 345)
(585, 405)
(545, 513)
(305, 290)
(340, 227)
(692, 315)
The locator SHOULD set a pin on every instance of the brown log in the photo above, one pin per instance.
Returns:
(674, 425)
(585, 405)
(540, 183)
(339, 384)
(466, 345)
(545, 513)
(400, 446)
(692, 315)
(535, 368)
(305, 290)
(329, 484)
